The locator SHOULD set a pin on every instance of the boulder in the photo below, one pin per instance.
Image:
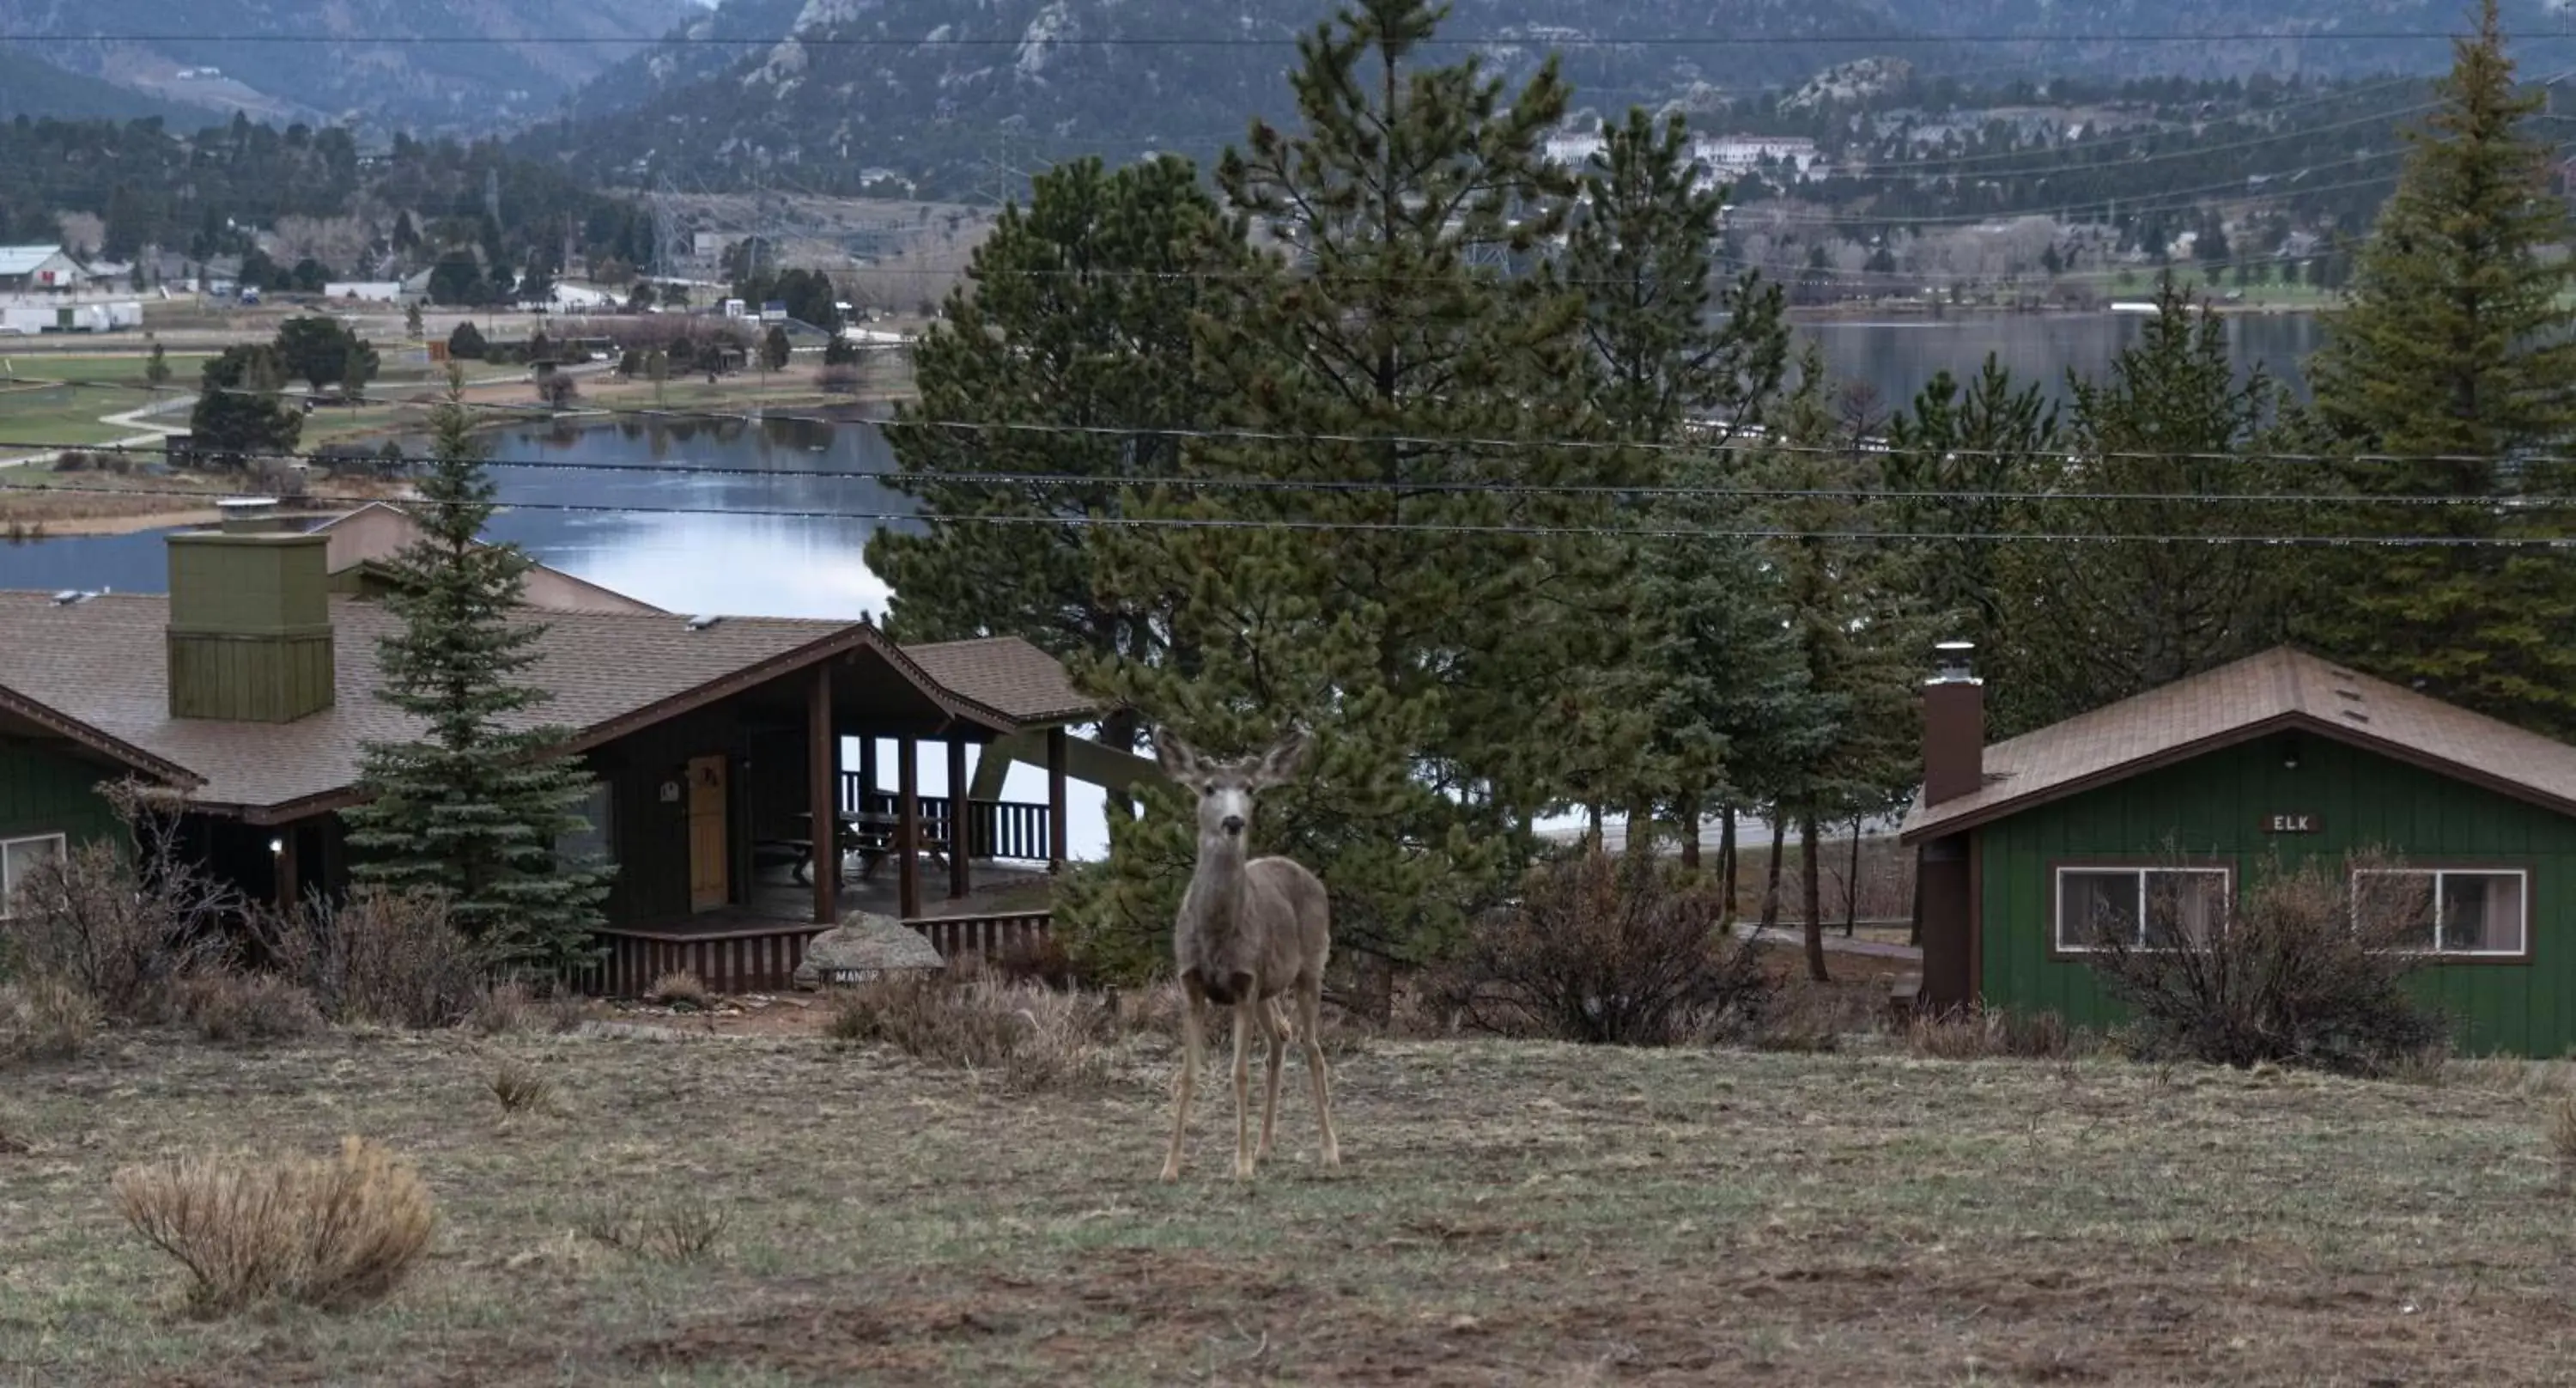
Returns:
(865, 946)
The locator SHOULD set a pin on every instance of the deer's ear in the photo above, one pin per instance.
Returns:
(1280, 763)
(1180, 761)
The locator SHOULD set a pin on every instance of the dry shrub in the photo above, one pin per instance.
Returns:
(521, 1089)
(1028, 1037)
(2301, 973)
(670, 1231)
(227, 1006)
(45, 1018)
(393, 958)
(509, 1007)
(335, 1233)
(1982, 1034)
(1042, 961)
(1608, 951)
(681, 989)
(123, 927)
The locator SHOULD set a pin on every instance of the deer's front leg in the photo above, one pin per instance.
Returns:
(1192, 1046)
(1243, 1088)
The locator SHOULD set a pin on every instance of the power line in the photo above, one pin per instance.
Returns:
(1308, 525)
(940, 39)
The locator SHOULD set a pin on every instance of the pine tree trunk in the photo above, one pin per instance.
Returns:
(1592, 828)
(1641, 830)
(1771, 886)
(1728, 861)
(1687, 810)
(1851, 886)
(1815, 900)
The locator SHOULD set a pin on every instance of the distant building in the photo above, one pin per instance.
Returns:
(39, 269)
(365, 291)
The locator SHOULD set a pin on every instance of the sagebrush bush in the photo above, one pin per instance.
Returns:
(521, 1089)
(392, 958)
(1624, 951)
(1981, 1034)
(336, 1233)
(1030, 1038)
(680, 989)
(510, 1007)
(227, 1006)
(45, 1018)
(2301, 973)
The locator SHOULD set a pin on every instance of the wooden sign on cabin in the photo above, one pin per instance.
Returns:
(2292, 824)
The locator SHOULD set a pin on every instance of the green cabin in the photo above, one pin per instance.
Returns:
(2148, 814)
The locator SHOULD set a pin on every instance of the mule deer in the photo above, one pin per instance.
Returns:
(1250, 934)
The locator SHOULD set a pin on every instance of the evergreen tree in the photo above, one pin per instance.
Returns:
(321, 349)
(241, 411)
(775, 350)
(1959, 459)
(2455, 358)
(1666, 348)
(156, 368)
(1433, 630)
(1079, 316)
(466, 343)
(475, 808)
(1862, 636)
(413, 320)
(2170, 424)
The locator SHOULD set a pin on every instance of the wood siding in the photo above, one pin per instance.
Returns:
(650, 836)
(2214, 808)
(45, 790)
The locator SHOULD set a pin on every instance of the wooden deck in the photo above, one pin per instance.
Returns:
(757, 945)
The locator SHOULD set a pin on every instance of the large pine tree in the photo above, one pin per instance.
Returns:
(1681, 369)
(1074, 345)
(1395, 369)
(474, 808)
(2169, 425)
(2451, 371)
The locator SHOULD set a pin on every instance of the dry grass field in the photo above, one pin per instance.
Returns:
(1509, 1213)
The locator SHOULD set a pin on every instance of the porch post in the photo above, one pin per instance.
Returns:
(284, 858)
(867, 771)
(960, 876)
(1058, 834)
(823, 795)
(907, 832)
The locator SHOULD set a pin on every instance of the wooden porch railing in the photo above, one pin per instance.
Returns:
(758, 961)
(985, 936)
(1005, 829)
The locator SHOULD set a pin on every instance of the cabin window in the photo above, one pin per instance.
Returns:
(19, 859)
(2477, 912)
(593, 842)
(2148, 908)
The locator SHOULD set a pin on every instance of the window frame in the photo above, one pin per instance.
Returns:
(62, 849)
(2437, 870)
(2221, 868)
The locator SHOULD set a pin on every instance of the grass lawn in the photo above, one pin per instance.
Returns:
(1508, 1213)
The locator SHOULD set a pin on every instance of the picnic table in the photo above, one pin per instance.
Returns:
(868, 833)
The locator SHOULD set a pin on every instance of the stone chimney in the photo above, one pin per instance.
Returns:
(1954, 726)
(250, 618)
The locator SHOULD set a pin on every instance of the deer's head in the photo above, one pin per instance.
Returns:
(1225, 789)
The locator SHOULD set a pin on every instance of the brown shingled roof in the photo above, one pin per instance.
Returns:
(2281, 688)
(1006, 674)
(103, 663)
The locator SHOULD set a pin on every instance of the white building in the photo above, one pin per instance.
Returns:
(1733, 156)
(39, 269)
(1572, 150)
(365, 291)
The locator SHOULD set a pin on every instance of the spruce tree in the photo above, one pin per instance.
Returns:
(474, 808)
(1074, 345)
(2171, 423)
(1705, 650)
(2452, 366)
(1389, 374)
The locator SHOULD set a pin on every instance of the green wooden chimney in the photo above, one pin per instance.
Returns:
(250, 619)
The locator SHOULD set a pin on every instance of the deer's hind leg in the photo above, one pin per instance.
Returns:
(1244, 1008)
(1193, 1047)
(1310, 1006)
(1274, 1031)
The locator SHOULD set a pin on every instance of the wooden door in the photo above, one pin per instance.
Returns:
(708, 884)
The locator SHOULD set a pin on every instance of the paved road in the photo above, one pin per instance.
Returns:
(1837, 943)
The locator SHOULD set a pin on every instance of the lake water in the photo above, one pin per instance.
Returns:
(778, 533)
